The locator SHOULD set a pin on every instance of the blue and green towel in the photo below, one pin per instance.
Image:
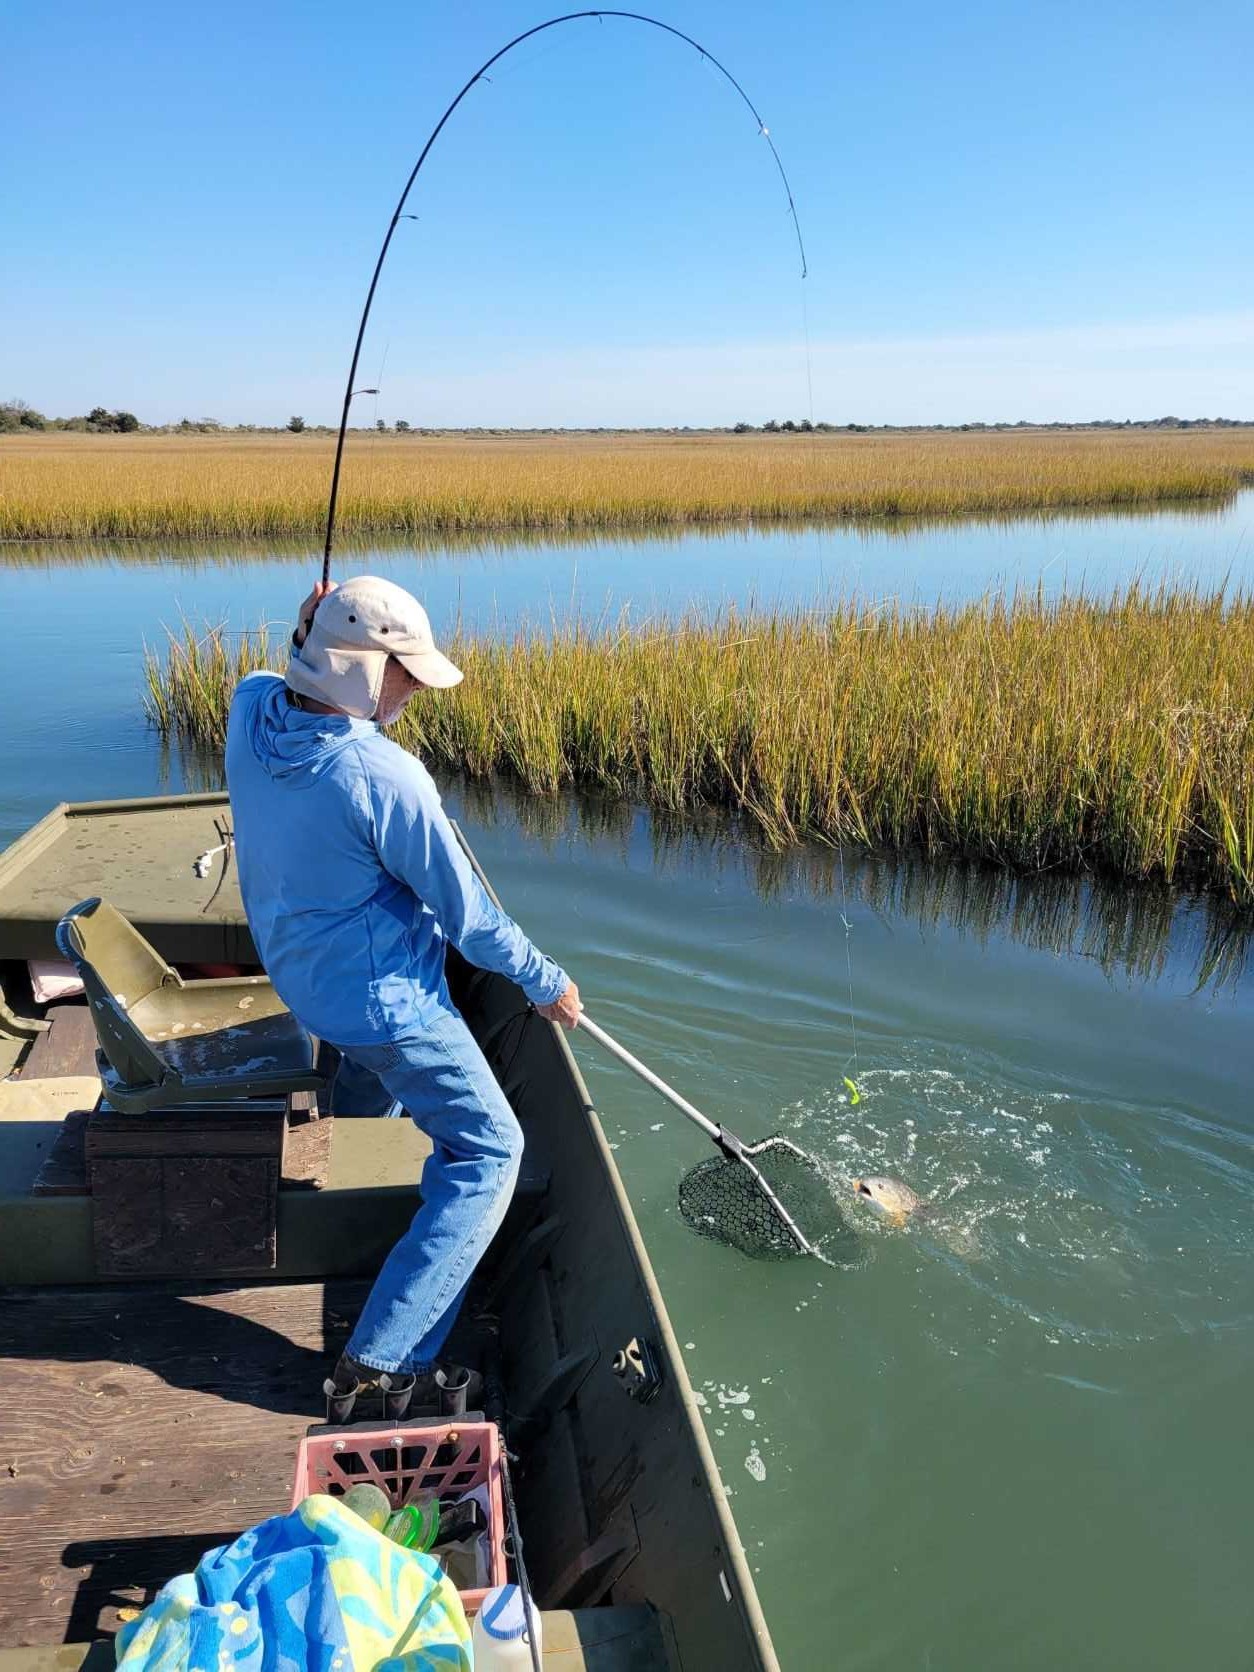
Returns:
(314, 1591)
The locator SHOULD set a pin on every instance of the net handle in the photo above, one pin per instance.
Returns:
(730, 1145)
(588, 1026)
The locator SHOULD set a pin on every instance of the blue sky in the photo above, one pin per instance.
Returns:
(1014, 210)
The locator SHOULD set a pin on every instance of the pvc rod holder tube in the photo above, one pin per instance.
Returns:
(397, 1396)
(339, 1403)
(453, 1386)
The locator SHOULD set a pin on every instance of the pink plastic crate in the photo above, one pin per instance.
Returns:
(402, 1461)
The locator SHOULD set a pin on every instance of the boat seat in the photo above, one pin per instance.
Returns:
(165, 1042)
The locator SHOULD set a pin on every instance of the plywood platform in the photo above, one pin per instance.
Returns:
(140, 1429)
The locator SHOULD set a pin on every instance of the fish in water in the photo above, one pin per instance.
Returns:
(890, 1197)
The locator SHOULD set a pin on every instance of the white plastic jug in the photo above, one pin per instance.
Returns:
(499, 1635)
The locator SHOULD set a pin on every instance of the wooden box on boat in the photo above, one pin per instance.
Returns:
(146, 1423)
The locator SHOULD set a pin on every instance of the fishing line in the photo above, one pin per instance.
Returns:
(805, 332)
(523, 61)
(398, 213)
(850, 1081)
(379, 380)
(855, 1096)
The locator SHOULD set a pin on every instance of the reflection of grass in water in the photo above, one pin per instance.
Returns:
(79, 486)
(1112, 736)
(1138, 934)
(355, 549)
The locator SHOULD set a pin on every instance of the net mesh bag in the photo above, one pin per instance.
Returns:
(730, 1201)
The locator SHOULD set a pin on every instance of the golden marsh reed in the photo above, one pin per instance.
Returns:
(148, 486)
(1110, 736)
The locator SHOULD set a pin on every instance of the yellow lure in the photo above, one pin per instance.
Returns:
(855, 1096)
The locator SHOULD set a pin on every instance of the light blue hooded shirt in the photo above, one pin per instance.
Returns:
(352, 877)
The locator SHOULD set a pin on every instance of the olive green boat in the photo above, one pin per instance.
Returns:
(149, 1419)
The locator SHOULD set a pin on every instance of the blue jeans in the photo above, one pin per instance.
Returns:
(441, 1080)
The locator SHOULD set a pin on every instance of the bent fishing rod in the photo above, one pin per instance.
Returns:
(398, 213)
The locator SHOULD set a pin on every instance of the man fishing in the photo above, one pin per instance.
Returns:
(354, 883)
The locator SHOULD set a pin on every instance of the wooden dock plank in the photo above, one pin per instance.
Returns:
(143, 1428)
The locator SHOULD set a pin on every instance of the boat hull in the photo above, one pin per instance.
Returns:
(620, 1499)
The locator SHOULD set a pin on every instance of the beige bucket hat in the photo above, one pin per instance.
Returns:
(356, 628)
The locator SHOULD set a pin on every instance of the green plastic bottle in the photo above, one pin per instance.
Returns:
(414, 1526)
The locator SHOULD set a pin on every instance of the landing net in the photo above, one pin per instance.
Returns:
(770, 1206)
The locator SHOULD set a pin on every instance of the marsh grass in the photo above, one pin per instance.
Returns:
(1114, 736)
(110, 487)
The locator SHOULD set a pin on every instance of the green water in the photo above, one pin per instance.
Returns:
(1012, 1434)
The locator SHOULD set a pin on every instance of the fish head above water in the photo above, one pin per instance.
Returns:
(891, 1197)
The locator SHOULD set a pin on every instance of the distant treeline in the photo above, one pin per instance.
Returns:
(18, 417)
(800, 426)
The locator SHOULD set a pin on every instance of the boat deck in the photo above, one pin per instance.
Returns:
(178, 1414)
(137, 854)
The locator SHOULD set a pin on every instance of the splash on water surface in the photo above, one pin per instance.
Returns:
(1072, 1212)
